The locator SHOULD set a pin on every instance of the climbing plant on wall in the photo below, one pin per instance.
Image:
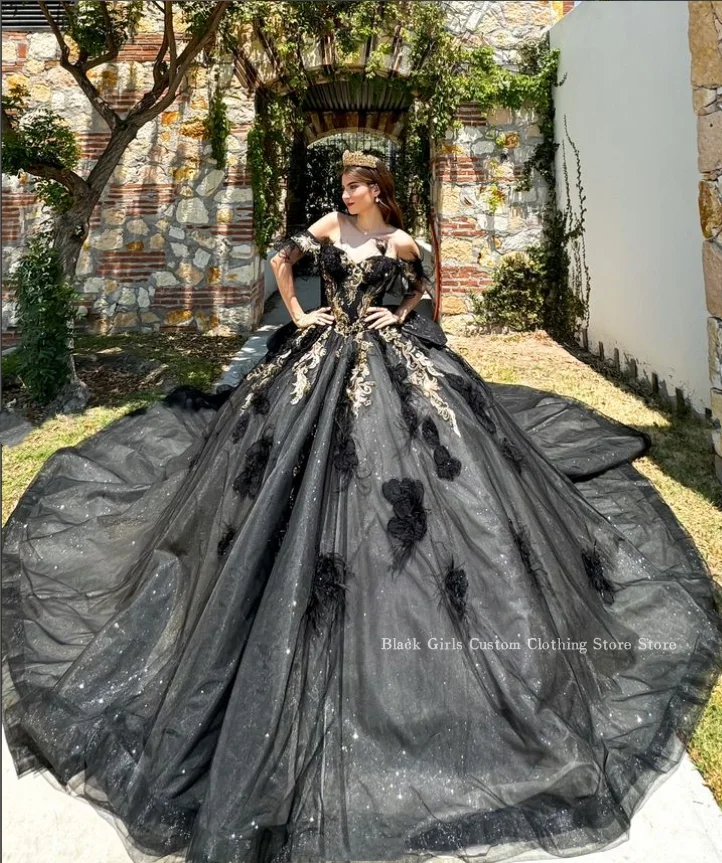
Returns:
(560, 256)
(443, 72)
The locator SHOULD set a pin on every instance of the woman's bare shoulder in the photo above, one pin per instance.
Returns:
(406, 246)
(326, 226)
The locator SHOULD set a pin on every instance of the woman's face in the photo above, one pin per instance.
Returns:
(357, 196)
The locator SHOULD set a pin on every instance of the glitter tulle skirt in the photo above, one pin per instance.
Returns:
(365, 606)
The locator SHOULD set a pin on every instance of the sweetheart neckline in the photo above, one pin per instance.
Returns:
(368, 258)
(328, 241)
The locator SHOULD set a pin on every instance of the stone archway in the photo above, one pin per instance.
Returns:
(358, 113)
(340, 100)
(469, 231)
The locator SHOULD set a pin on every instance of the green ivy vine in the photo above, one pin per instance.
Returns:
(217, 126)
(45, 309)
(565, 279)
(444, 73)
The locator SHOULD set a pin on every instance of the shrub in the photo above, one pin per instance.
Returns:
(516, 299)
(45, 311)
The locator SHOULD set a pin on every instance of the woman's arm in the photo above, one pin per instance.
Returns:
(282, 266)
(409, 251)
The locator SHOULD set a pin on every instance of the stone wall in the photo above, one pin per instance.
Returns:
(705, 43)
(481, 217)
(171, 242)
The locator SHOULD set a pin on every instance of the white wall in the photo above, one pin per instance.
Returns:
(628, 106)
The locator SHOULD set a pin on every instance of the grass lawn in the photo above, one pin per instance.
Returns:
(122, 372)
(129, 370)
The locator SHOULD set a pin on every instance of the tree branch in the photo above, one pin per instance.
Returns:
(111, 44)
(170, 33)
(73, 182)
(78, 73)
(159, 74)
(64, 49)
(153, 103)
(109, 31)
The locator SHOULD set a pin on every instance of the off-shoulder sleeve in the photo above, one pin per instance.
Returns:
(294, 247)
(414, 277)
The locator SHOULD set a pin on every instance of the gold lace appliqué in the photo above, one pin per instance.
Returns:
(359, 389)
(310, 360)
(264, 371)
(422, 374)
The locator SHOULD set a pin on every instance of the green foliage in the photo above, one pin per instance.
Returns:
(96, 26)
(54, 194)
(495, 197)
(565, 274)
(444, 74)
(39, 138)
(269, 155)
(218, 127)
(516, 299)
(45, 304)
(15, 100)
(540, 65)
(321, 189)
(414, 184)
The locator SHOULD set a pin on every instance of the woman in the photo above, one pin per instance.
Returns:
(364, 606)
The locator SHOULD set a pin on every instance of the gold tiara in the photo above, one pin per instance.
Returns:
(358, 158)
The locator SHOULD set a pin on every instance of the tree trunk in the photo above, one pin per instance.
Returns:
(71, 231)
(72, 228)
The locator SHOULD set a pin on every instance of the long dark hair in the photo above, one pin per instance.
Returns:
(383, 178)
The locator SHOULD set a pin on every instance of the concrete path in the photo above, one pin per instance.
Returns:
(679, 822)
(276, 315)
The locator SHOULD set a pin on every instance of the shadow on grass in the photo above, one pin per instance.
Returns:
(133, 369)
(682, 446)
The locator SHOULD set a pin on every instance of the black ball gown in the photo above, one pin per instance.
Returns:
(364, 606)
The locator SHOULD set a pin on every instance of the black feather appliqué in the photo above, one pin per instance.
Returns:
(408, 524)
(447, 466)
(399, 373)
(327, 590)
(248, 481)
(476, 397)
(241, 427)
(225, 540)
(456, 585)
(194, 399)
(521, 541)
(344, 456)
(595, 573)
(259, 399)
(513, 454)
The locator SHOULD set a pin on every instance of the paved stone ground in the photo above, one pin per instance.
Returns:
(679, 822)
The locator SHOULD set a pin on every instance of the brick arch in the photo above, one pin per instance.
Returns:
(344, 125)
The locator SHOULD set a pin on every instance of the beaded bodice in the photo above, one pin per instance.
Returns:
(350, 286)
